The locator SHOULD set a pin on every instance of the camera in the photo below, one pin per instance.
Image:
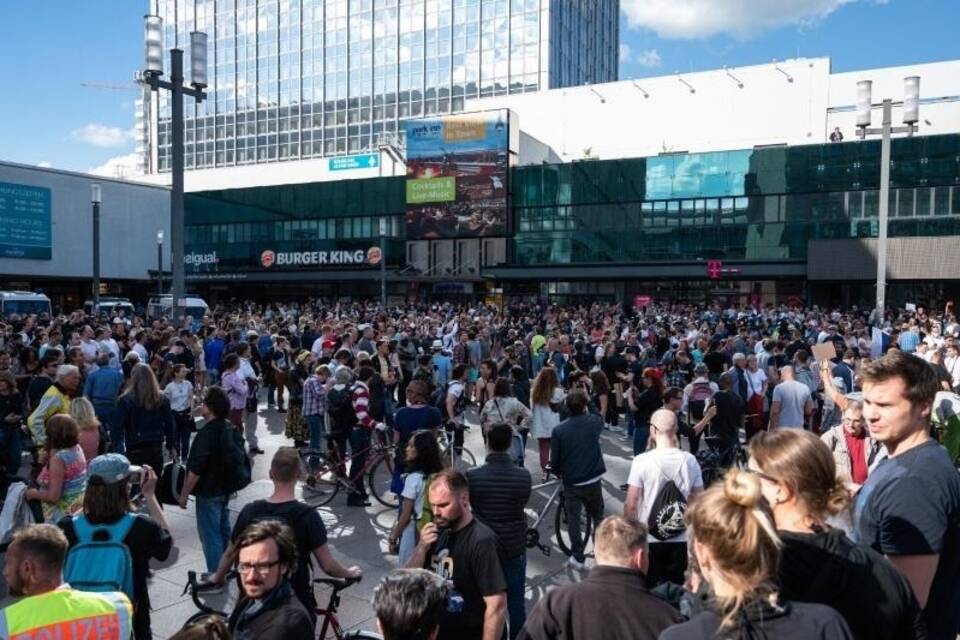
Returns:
(136, 474)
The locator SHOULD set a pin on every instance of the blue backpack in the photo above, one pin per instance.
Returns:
(100, 566)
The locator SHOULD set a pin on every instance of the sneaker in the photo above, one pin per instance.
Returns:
(616, 429)
(573, 563)
(212, 588)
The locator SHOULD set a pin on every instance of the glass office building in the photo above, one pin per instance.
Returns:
(295, 79)
(636, 226)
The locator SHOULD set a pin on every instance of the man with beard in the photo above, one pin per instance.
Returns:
(269, 609)
(460, 548)
(50, 608)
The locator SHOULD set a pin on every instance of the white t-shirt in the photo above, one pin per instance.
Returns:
(456, 390)
(178, 393)
(650, 470)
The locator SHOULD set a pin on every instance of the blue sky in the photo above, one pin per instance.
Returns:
(48, 47)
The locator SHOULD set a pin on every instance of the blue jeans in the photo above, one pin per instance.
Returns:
(515, 572)
(641, 433)
(12, 448)
(106, 412)
(213, 377)
(213, 525)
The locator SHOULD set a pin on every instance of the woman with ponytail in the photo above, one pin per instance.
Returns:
(798, 478)
(738, 550)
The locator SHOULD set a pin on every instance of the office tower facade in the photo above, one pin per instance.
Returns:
(297, 79)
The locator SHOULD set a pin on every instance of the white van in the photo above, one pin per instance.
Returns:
(109, 305)
(160, 306)
(24, 303)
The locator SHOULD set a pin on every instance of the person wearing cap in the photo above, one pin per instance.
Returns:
(102, 388)
(50, 608)
(107, 500)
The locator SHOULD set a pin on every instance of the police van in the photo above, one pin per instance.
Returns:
(24, 303)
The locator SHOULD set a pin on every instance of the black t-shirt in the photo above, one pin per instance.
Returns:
(910, 505)
(716, 362)
(308, 532)
(468, 557)
(35, 390)
(611, 366)
(873, 597)
(792, 621)
(145, 540)
(730, 411)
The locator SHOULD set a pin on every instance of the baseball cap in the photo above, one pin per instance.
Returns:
(110, 468)
(252, 334)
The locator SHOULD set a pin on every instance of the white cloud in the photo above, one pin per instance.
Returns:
(117, 167)
(45, 164)
(649, 59)
(624, 53)
(100, 135)
(686, 19)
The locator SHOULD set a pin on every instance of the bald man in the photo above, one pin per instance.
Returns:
(651, 473)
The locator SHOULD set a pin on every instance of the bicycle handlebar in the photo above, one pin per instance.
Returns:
(195, 588)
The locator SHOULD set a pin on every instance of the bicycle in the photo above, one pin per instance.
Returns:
(326, 472)
(716, 458)
(560, 521)
(326, 616)
(459, 460)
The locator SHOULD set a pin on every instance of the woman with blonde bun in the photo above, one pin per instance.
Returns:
(798, 478)
(738, 550)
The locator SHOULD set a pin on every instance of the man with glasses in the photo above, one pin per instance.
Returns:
(266, 557)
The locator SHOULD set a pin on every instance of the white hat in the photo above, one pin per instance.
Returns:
(437, 344)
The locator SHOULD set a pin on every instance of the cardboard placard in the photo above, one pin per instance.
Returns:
(824, 351)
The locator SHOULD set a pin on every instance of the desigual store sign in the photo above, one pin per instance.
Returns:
(306, 259)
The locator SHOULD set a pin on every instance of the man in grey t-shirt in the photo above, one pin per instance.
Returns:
(792, 404)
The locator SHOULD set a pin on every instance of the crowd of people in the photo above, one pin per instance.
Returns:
(788, 479)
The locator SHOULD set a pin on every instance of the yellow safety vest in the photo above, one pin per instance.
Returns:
(68, 614)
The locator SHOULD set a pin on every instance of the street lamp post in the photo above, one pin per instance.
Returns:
(160, 262)
(383, 263)
(198, 81)
(911, 110)
(95, 198)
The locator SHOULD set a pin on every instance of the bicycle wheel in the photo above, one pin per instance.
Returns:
(465, 460)
(562, 531)
(379, 479)
(322, 482)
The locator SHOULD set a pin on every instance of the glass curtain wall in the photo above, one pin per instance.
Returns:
(294, 79)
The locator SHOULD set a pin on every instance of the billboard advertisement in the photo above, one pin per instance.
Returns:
(457, 168)
(25, 222)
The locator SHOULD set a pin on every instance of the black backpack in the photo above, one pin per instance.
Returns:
(666, 513)
(235, 464)
(340, 406)
(439, 400)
